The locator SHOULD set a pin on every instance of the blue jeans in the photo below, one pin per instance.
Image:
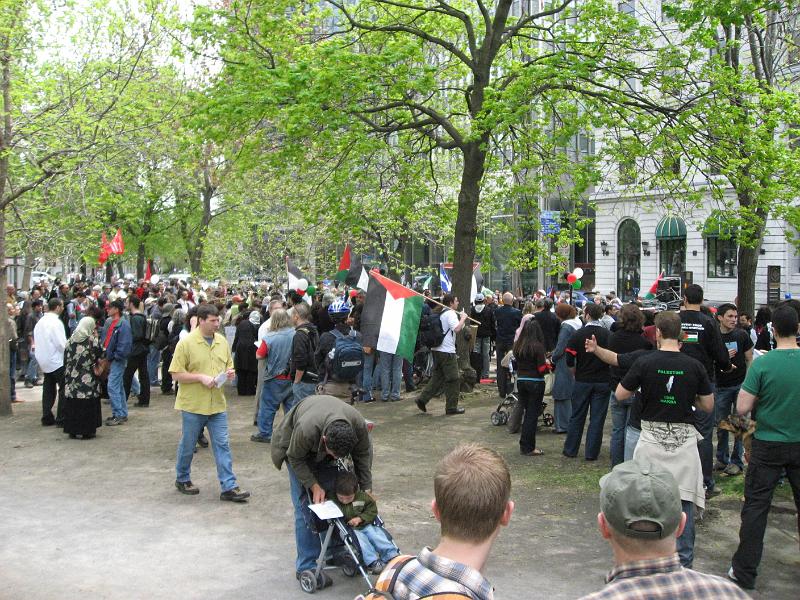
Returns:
(631, 439)
(274, 392)
(153, 358)
(685, 543)
(620, 413)
(301, 390)
(391, 367)
(13, 372)
(483, 346)
(562, 409)
(217, 425)
(32, 371)
(724, 401)
(586, 396)
(367, 373)
(307, 542)
(116, 391)
(375, 544)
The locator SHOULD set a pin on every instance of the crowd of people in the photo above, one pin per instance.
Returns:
(668, 378)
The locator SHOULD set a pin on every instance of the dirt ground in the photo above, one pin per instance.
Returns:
(101, 518)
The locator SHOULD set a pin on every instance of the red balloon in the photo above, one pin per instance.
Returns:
(571, 278)
(301, 292)
(353, 293)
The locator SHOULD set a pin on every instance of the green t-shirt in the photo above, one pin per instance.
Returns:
(775, 379)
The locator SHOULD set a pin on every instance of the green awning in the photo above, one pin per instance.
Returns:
(719, 226)
(671, 228)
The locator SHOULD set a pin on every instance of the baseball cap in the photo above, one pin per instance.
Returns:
(478, 297)
(637, 491)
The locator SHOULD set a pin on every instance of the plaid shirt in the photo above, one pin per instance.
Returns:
(431, 574)
(664, 579)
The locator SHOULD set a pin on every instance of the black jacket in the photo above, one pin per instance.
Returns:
(550, 325)
(506, 321)
(244, 347)
(141, 345)
(486, 318)
(304, 349)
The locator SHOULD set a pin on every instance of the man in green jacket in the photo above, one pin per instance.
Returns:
(312, 436)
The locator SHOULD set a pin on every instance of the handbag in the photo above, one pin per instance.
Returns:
(102, 368)
(549, 379)
(507, 359)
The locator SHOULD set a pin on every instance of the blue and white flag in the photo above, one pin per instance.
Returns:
(444, 280)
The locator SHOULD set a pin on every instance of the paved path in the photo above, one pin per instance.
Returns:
(101, 519)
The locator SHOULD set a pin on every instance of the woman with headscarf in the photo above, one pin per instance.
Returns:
(82, 415)
(244, 349)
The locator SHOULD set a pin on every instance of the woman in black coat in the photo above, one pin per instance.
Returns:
(244, 359)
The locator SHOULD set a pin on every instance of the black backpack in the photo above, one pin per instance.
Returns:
(431, 332)
(348, 356)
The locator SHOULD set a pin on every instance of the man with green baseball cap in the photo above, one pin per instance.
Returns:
(641, 517)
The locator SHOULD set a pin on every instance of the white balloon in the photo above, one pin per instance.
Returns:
(578, 272)
(155, 279)
(302, 284)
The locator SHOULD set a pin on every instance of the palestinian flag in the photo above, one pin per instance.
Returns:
(654, 288)
(356, 275)
(344, 265)
(293, 274)
(390, 319)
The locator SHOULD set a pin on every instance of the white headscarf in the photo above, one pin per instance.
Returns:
(255, 317)
(85, 329)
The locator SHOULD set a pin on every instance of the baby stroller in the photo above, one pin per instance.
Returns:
(509, 410)
(340, 548)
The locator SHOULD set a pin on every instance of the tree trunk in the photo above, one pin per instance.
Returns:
(140, 258)
(464, 246)
(109, 272)
(466, 222)
(746, 287)
(26, 273)
(5, 366)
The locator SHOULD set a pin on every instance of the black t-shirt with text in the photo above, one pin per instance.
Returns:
(669, 381)
(739, 340)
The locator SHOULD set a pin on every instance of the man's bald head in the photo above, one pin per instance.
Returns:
(508, 298)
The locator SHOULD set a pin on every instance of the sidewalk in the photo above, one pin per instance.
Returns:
(101, 518)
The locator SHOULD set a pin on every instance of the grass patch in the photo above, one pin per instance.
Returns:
(578, 477)
(734, 487)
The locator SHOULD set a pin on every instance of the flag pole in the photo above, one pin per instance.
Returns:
(413, 291)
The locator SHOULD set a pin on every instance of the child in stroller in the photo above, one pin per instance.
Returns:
(354, 537)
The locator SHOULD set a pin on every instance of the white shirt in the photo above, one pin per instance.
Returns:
(50, 340)
(449, 323)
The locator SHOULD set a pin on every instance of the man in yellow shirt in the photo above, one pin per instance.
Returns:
(201, 364)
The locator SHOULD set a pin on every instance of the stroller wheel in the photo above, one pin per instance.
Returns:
(324, 580)
(349, 568)
(548, 420)
(308, 583)
(497, 418)
(503, 418)
(320, 388)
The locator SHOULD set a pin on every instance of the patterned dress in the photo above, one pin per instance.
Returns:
(82, 414)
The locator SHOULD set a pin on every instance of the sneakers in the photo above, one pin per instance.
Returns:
(257, 437)
(733, 470)
(732, 577)
(455, 411)
(234, 495)
(202, 441)
(377, 567)
(719, 466)
(112, 421)
(712, 492)
(28, 384)
(187, 487)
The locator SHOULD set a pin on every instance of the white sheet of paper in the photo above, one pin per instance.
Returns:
(326, 510)
(221, 379)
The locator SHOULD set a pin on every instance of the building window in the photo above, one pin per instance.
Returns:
(672, 256)
(722, 257)
(629, 258)
(627, 7)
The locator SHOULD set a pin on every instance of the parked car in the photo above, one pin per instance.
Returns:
(37, 276)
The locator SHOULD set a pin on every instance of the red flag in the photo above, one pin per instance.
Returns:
(147, 272)
(117, 246)
(654, 288)
(344, 264)
(105, 250)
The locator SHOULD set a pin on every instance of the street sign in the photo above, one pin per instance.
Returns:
(550, 222)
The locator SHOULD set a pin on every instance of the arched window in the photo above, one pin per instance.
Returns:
(629, 259)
